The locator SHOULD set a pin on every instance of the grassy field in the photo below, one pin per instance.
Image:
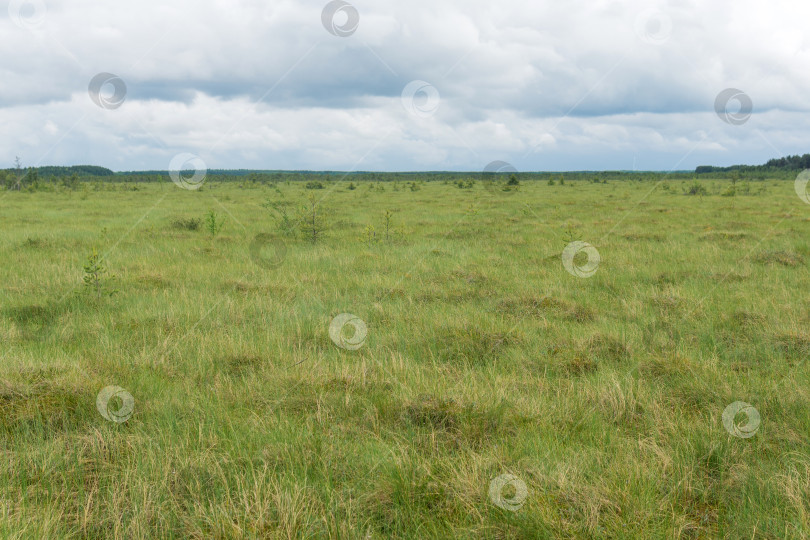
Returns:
(483, 357)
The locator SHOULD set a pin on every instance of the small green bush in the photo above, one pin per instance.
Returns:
(696, 188)
(213, 224)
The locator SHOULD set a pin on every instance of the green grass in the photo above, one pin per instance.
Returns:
(483, 357)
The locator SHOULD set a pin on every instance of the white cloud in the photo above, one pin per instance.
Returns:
(508, 74)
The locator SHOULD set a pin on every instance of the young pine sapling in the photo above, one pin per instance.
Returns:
(213, 224)
(95, 275)
(312, 220)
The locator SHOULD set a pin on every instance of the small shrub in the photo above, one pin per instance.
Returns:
(695, 188)
(314, 184)
(71, 182)
(95, 275)
(286, 225)
(369, 235)
(311, 220)
(465, 184)
(572, 233)
(213, 224)
(387, 219)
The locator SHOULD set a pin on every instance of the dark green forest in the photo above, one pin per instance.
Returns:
(788, 163)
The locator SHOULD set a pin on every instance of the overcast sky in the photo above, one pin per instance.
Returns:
(563, 85)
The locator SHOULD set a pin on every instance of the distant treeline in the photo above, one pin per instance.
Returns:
(53, 177)
(93, 173)
(264, 177)
(789, 163)
(61, 172)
